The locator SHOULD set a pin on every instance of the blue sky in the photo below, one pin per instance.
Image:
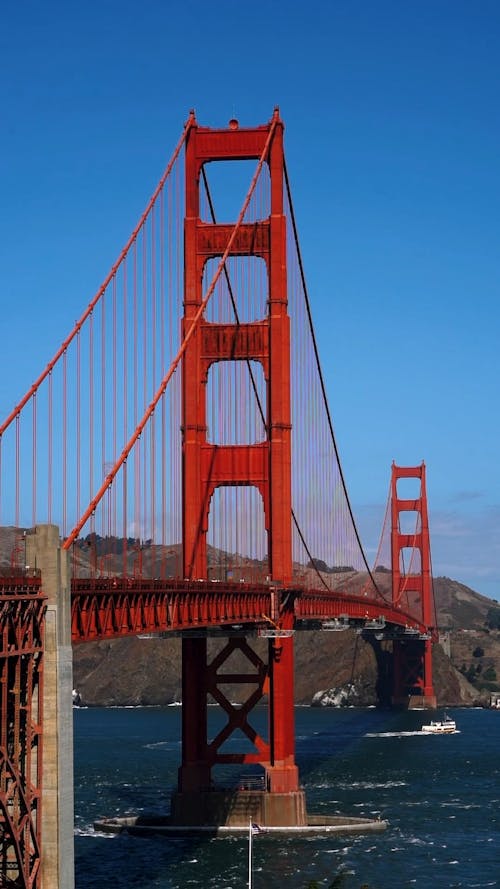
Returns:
(393, 149)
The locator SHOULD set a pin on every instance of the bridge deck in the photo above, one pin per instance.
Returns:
(112, 607)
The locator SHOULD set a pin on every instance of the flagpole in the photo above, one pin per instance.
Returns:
(250, 855)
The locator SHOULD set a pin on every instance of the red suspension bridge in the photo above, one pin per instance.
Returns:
(182, 442)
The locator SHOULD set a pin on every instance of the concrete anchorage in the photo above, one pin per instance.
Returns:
(44, 552)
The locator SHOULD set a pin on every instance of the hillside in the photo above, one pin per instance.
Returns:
(147, 671)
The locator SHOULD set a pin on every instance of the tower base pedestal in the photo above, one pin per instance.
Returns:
(238, 807)
(416, 702)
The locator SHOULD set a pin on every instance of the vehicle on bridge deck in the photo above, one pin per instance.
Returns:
(445, 727)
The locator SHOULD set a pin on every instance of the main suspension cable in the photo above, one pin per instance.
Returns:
(321, 379)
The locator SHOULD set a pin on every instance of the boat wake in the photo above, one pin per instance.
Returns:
(393, 734)
(417, 733)
(89, 831)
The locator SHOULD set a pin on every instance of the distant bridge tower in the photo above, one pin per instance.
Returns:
(412, 658)
(265, 465)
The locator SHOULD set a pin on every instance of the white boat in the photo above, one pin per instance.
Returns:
(446, 726)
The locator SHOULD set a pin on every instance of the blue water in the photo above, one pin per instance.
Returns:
(441, 796)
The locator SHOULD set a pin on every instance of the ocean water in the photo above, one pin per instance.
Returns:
(440, 794)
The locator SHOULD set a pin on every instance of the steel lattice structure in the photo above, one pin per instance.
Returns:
(22, 609)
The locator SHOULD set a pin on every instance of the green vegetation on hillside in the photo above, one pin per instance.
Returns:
(493, 619)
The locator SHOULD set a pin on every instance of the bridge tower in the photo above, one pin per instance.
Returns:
(265, 465)
(412, 658)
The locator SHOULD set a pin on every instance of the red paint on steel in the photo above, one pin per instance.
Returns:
(194, 772)
(112, 607)
(415, 584)
(104, 608)
(318, 605)
(205, 678)
(282, 773)
(22, 615)
(189, 334)
(267, 465)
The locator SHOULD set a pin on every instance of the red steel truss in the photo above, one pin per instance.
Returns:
(111, 607)
(22, 610)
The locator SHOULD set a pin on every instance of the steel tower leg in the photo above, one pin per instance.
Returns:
(277, 800)
(194, 773)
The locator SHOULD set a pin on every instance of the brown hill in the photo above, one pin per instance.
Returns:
(147, 671)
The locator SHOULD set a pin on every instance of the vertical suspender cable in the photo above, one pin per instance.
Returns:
(325, 401)
(152, 498)
(78, 423)
(125, 410)
(102, 289)
(91, 403)
(176, 361)
(103, 415)
(50, 449)
(114, 406)
(64, 444)
(18, 469)
(162, 367)
(144, 517)
(135, 385)
(34, 457)
(124, 522)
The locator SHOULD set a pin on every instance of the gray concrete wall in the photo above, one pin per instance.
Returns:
(43, 551)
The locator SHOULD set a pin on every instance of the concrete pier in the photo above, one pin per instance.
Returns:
(315, 825)
(44, 552)
(422, 702)
(235, 808)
